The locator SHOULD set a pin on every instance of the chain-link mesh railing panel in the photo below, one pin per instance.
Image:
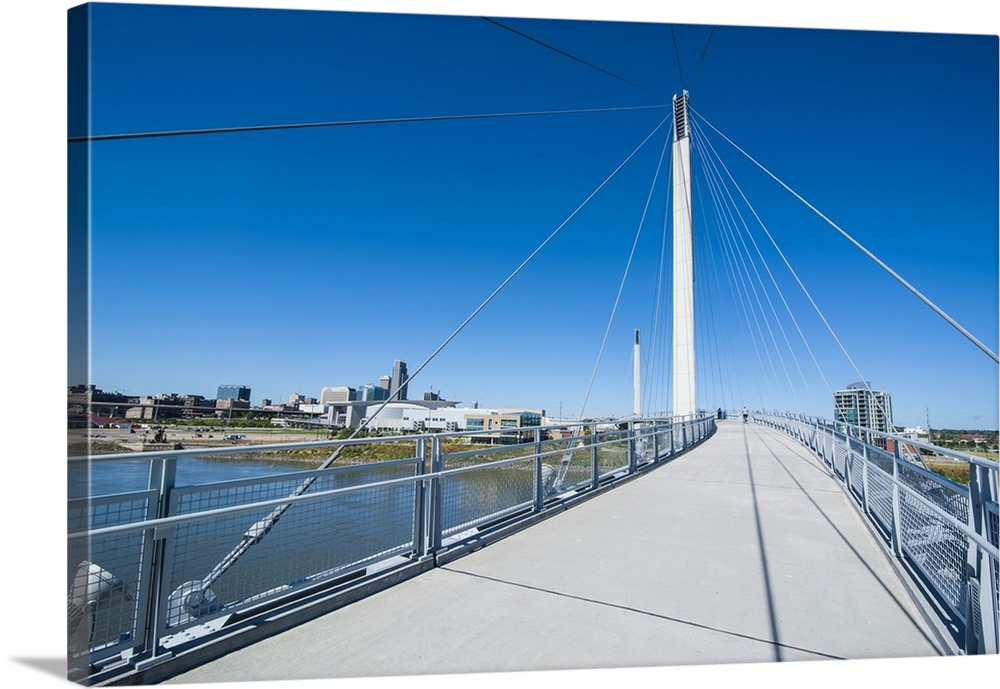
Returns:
(937, 548)
(486, 450)
(645, 445)
(612, 452)
(856, 445)
(106, 574)
(573, 463)
(950, 497)
(824, 446)
(482, 495)
(311, 541)
(880, 498)
(665, 441)
(881, 459)
(855, 464)
(839, 455)
(800, 433)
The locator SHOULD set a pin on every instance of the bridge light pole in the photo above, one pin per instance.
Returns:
(684, 403)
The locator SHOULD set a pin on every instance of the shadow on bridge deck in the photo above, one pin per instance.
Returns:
(741, 550)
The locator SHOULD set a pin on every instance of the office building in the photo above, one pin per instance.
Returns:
(398, 381)
(338, 394)
(233, 392)
(372, 393)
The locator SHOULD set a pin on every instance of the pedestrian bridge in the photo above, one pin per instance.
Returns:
(707, 542)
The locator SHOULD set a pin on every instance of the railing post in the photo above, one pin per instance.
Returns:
(825, 451)
(632, 447)
(539, 483)
(981, 583)
(595, 473)
(436, 498)
(656, 441)
(152, 619)
(847, 466)
(420, 502)
(897, 532)
(864, 482)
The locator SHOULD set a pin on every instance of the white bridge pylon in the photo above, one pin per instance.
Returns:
(684, 399)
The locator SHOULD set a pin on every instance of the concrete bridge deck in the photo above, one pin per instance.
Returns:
(742, 550)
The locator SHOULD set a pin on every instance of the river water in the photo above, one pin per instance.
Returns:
(126, 476)
(312, 537)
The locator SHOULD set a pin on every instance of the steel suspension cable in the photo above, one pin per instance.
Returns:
(628, 265)
(655, 322)
(862, 248)
(774, 281)
(707, 298)
(713, 266)
(743, 253)
(347, 123)
(746, 230)
(703, 299)
(738, 296)
(572, 57)
(802, 286)
(677, 53)
(737, 265)
(702, 59)
(727, 376)
(261, 528)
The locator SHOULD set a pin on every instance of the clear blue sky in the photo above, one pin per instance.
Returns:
(292, 260)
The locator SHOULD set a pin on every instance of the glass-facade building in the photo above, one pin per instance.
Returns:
(372, 393)
(233, 392)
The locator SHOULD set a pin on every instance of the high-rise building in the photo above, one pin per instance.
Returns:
(234, 392)
(858, 404)
(398, 380)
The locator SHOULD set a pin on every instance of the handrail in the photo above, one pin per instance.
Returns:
(957, 454)
(975, 564)
(161, 606)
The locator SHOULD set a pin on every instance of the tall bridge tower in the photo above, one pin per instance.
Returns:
(684, 402)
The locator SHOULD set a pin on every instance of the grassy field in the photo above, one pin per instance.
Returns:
(953, 471)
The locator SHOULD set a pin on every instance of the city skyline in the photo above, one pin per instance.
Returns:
(397, 231)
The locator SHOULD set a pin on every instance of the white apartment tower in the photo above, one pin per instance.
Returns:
(858, 404)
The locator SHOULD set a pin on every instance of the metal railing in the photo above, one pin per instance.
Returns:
(152, 570)
(945, 532)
